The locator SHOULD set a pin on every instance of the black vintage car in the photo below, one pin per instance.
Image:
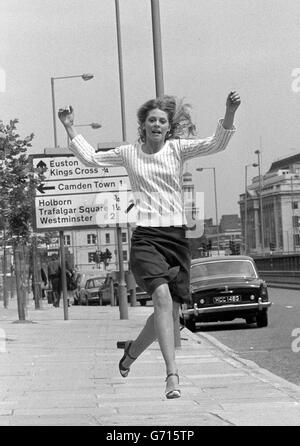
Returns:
(224, 288)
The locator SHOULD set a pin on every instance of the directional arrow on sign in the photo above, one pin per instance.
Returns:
(131, 204)
(41, 188)
(41, 165)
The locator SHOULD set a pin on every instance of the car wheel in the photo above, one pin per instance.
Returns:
(262, 319)
(250, 320)
(143, 302)
(190, 324)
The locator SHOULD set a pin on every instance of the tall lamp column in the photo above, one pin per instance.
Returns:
(246, 207)
(85, 77)
(258, 153)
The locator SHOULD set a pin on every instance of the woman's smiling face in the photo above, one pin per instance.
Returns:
(156, 126)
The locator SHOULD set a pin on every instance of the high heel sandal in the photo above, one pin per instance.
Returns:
(123, 370)
(173, 393)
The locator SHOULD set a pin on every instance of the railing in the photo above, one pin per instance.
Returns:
(280, 270)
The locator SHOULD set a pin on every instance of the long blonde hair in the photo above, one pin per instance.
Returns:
(181, 125)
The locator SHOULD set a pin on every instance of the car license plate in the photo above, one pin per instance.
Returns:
(226, 299)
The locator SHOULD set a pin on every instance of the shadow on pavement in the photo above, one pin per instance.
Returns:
(225, 326)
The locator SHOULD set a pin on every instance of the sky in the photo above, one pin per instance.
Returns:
(209, 48)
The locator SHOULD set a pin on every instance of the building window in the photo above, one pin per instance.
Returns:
(296, 221)
(107, 238)
(91, 257)
(67, 240)
(91, 239)
(124, 237)
(295, 204)
(125, 256)
(297, 239)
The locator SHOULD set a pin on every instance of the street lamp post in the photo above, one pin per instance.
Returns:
(122, 288)
(93, 125)
(85, 77)
(159, 89)
(258, 153)
(246, 206)
(200, 169)
(157, 48)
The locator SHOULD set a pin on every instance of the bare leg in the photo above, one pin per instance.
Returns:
(163, 317)
(146, 337)
(176, 308)
(159, 325)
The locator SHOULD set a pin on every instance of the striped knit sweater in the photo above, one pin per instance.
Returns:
(156, 179)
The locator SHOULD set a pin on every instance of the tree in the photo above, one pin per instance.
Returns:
(18, 180)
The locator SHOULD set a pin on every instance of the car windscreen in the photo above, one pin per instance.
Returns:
(233, 268)
(95, 283)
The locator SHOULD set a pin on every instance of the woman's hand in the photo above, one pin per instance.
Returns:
(233, 101)
(66, 115)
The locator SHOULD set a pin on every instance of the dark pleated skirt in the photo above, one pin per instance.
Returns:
(161, 255)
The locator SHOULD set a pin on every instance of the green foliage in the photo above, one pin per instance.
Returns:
(18, 181)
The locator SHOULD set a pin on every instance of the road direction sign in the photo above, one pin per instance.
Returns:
(56, 168)
(89, 185)
(74, 195)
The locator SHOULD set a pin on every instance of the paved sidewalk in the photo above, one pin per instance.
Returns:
(65, 373)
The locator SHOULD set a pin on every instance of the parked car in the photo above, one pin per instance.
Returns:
(141, 296)
(111, 284)
(224, 288)
(87, 291)
(107, 293)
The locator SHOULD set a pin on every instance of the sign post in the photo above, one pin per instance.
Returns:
(63, 274)
(35, 275)
(122, 289)
(159, 86)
